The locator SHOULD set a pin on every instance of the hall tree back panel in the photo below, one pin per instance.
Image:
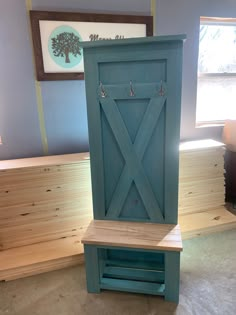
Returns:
(133, 90)
(133, 103)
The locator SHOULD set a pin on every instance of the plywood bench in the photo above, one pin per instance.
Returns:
(150, 265)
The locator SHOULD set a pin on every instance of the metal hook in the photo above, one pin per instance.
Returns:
(131, 91)
(162, 90)
(103, 93)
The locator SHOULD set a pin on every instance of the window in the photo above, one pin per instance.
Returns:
(216, 92)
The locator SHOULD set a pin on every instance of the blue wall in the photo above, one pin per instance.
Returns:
(65, 116)
(101, 6)
(64, 102)
(19, 125)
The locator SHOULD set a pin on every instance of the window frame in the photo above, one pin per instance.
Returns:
(212, 21)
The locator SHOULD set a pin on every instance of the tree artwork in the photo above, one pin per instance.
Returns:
(64, 44)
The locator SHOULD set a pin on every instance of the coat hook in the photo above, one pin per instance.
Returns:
(162, 90)
(103, 93)
(131, 91)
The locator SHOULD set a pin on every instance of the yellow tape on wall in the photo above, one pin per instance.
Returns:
(39, 96)
(153, 13)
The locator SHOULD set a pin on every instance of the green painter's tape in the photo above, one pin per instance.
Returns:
(153, 13)
(28, 4)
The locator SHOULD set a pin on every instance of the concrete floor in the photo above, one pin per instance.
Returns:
(208, 287)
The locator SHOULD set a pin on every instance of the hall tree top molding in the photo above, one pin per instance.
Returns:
(147, 40)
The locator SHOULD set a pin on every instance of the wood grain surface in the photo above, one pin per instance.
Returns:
(134, 235)
(27, 230)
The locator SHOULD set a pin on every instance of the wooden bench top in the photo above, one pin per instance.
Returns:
(134, 235)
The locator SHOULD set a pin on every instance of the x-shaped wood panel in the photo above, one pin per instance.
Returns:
(133, 154)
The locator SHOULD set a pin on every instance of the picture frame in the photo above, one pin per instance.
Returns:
(56, 37)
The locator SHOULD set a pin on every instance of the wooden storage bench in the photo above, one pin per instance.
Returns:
(145, 257)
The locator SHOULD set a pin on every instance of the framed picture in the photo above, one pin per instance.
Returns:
(57, 37)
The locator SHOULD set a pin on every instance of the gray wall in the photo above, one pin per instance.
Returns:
(182, 16)
(64, 102)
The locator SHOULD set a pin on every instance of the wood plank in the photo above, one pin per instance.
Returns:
(132, 286)
(201, 176)
(134, 264)
(206, 222)
(42, 252)
(45, 210)
(41, 216)
(37, 258)
(203, 199)
(42, 200)
(204, 144)
(216, 161)
(23, 176)
(134, 235)
(192, 210)
(133, 274)
(41, 267)
(26, 235)
(202, 186)
(43, 161)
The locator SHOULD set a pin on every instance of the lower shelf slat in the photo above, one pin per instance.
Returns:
(133, 274)
(132, 286)
(134, 264)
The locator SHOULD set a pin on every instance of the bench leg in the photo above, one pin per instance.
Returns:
(92, 268)
(172, 271)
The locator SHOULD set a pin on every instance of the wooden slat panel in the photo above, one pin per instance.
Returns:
(133, 274)
(140, 144)
(132, 286)
(134, 164)
(134, 264)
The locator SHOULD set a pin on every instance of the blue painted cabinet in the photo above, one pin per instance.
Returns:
(133, 90)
